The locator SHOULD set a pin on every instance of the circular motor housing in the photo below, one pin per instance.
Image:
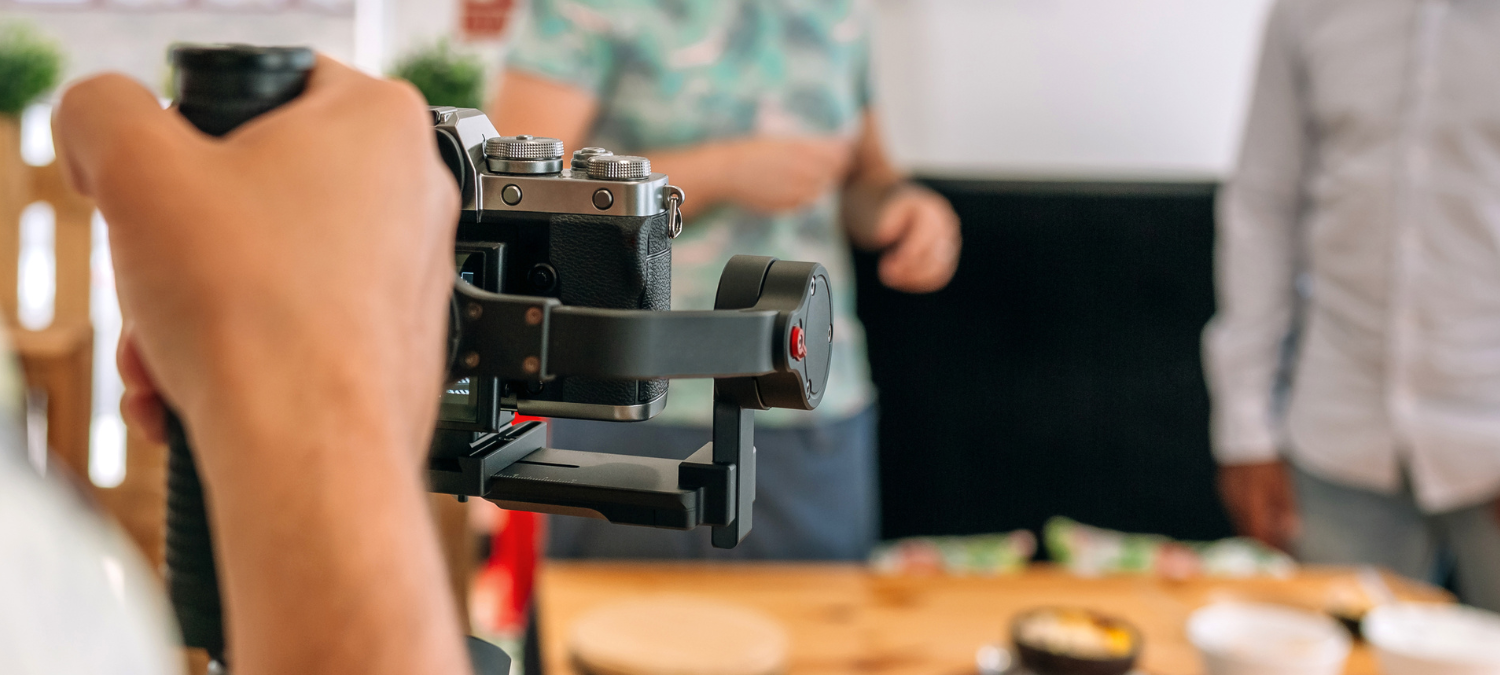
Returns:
(802, 297)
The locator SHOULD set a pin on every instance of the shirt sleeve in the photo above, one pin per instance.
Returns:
(864, 85)
(1258, 212)
(566, 41)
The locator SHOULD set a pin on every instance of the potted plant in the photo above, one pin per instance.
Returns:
(444, 75)
(30, 66)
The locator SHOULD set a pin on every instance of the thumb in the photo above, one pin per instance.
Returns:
(110, 123)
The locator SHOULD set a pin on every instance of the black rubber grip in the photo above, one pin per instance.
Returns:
(192, 581)
(218, 89)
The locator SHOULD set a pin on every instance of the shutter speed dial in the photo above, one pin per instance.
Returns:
(524, 154)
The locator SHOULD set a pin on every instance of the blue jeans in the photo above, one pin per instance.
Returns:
(815, 493)
(1345, 525)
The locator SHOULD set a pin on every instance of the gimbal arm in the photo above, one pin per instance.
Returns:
(767, 345)
(773, 324)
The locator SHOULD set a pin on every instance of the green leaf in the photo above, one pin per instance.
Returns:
(444, 76)
(30, 66)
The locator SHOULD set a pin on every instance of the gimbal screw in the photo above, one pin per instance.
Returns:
(473, 311)
(471, 360)
(531, 364)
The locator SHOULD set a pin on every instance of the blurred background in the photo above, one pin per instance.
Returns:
(1079, 140)
(1081, 143)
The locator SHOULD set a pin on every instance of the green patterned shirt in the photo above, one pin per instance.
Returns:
(674, 73)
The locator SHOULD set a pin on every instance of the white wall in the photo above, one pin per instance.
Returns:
(368, 33)
(1069, 89)
(135, 41)
(1072, 89)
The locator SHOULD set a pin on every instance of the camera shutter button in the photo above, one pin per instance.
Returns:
(511, 194)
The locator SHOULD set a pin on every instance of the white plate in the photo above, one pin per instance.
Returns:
(1246, 638)
(1433, 639)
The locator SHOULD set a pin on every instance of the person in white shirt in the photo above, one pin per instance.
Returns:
(1358, 333)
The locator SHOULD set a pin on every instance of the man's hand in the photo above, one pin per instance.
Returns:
(286, 289)
(1260, 502)
(916, 231)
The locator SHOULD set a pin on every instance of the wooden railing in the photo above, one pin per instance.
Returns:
(58, 360)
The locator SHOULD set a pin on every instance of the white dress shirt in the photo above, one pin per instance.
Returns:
(1358, 262)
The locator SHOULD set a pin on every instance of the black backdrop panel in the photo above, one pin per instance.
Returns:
(1059, 373)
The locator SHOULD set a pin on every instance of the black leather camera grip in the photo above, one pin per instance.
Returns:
(615, 263)
(218, 89)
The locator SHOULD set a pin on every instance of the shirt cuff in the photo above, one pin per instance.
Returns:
(1229, 455)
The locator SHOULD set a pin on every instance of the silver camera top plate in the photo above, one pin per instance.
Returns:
(565, 192)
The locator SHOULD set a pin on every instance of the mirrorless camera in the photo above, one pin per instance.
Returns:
(592, 230)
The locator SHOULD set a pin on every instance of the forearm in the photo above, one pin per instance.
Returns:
(701, 171)
(1244, 343)
(872, 180)
(344, 574)
(1257, 243)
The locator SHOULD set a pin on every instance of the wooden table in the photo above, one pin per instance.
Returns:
(843, 619)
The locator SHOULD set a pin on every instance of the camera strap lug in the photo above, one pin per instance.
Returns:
(674, 197)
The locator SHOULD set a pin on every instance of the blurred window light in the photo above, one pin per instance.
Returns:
(36, 283)
(107, 430)
(36, 135)
(107, 451)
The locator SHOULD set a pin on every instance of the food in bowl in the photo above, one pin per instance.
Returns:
(1068, 641)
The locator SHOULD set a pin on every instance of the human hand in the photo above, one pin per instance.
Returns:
(1260, 501)
(245, 270)
(918, 235)
(286, 289)
(770, 175)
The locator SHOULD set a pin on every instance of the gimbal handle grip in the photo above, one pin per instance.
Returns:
(218, 89)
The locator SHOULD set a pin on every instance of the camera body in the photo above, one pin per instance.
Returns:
(591, 230)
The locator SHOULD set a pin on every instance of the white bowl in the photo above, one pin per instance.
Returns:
(1413, 638)
(1242, 638)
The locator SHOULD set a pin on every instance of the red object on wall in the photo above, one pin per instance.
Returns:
(485, 19)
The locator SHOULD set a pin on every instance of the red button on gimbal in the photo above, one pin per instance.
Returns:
(799, 344)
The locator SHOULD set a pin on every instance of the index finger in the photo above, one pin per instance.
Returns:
(329, 73)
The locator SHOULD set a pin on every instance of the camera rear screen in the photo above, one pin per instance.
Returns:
(460, 401)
